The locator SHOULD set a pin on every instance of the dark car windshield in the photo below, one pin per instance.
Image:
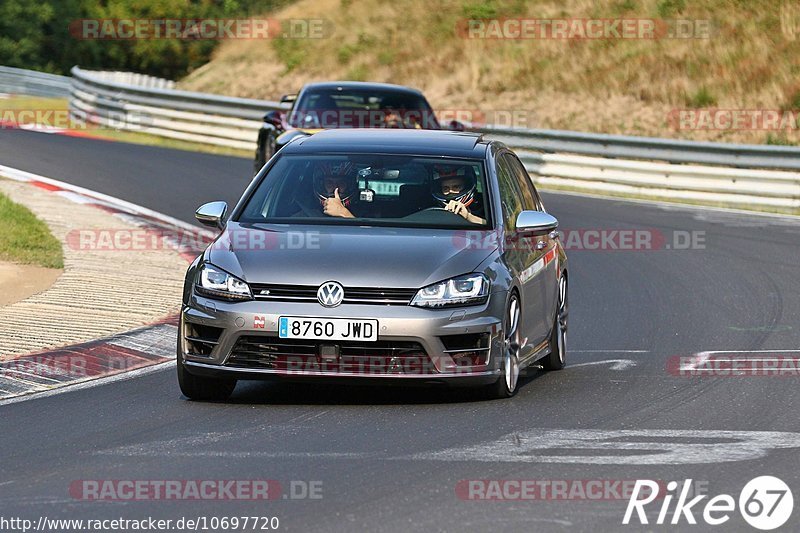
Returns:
(362, 108)
(374, 189)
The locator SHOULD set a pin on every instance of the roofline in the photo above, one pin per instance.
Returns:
(362, 84)
(316, 144)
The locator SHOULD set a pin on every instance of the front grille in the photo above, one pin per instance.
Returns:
(376, 358)
(352, 295)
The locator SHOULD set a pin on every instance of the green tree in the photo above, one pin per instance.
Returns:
(21, 24)
(36, 35)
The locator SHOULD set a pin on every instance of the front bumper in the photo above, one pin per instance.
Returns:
(460, 379)
(427, 328)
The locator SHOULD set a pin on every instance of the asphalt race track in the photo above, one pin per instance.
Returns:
(392, 460)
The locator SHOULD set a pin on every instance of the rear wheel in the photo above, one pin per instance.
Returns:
(203, 388)
(506, 386)
(558, 335)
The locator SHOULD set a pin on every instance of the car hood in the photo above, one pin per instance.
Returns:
(354, 256)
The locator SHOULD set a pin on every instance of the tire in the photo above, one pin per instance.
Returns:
(507, 385)
(558, 334)
(259, 160)
(203, 388)
(264, 152)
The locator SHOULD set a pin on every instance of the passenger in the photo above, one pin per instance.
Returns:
(336, 186)
(335, 194)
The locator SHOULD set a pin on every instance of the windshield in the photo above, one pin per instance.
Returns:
(372, 189)
(362, 108)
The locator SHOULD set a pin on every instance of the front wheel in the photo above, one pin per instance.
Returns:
(506, 386)
(264, 151)
(558, 335)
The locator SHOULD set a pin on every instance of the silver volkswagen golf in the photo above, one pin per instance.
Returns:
(382, 256)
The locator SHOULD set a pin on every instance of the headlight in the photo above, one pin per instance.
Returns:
(216, 283)
(471, 289)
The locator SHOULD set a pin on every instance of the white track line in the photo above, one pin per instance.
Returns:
(616, 364)
(21, 175)
(4, 370)
(609, 351)
(702, 357)
(158, 367)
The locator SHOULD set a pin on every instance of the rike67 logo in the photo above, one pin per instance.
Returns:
(765, 503)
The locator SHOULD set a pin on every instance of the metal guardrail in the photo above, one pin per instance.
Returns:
(133, 78)
(648, 148)
(744, 188)
(98, 98)
(32, 83)
(741, 175)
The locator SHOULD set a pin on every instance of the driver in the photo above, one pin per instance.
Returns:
(455, 188)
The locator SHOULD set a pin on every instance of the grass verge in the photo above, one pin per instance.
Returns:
(25, 239)
(729, 55)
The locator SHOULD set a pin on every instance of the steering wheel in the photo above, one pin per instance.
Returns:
(431, 214)
(307, 210)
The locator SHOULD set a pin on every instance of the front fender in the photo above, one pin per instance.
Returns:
(190, 277)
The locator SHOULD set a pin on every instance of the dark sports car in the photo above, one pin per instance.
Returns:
(345, 104)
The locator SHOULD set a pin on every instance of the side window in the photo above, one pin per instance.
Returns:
(510, 195)
(530, 198)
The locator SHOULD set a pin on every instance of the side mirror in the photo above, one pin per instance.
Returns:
(274, 118)
(212, 214)
(455, 125)
(288, 98)
(536, 222)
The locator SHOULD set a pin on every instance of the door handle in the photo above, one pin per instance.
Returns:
(541, 245)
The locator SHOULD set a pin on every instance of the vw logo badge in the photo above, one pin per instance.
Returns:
(330, 294)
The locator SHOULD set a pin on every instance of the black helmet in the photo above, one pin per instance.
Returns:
(339, 169)
(445, 172)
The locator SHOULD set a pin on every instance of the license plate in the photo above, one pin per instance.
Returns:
(329, 329)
